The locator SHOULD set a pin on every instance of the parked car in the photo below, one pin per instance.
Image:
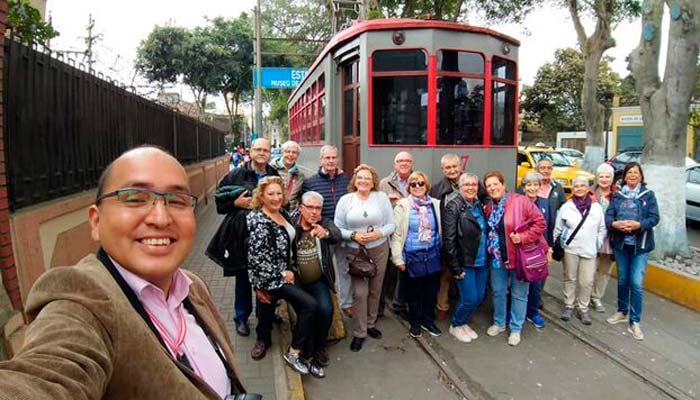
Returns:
(621, 159)
(563, 172)
(692, 192)
(575, 156)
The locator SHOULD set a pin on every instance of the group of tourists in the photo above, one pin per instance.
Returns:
(353, 239)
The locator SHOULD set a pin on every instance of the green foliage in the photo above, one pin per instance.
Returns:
(161, 56)
(27, 24)
(628, 92)
(553, 101)
(458, 10)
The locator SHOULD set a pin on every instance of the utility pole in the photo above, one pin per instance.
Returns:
(258, 73)
(89, 41)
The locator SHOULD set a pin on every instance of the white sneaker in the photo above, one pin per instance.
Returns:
(514, 338)
(459, 333)
(471, 332)
(494, 330)
(598, 305)
(636, 331)
(617, 318)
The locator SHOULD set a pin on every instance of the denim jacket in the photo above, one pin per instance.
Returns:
(649, 219)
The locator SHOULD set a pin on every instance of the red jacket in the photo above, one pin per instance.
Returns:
(518, 210)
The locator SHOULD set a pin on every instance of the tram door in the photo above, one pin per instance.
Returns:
(351, 116)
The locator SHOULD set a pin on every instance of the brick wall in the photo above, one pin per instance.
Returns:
(7, 259)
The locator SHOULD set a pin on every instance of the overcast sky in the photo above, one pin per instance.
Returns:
(123, 24)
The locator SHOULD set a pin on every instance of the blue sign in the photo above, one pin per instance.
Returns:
(279, 78)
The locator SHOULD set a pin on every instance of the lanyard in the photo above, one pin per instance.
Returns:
(175, 346)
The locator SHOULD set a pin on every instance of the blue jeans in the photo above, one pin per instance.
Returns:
(324, 312)
(501, 279)
(243, 305)
(472, 289)
(630, 282)
(534, 298)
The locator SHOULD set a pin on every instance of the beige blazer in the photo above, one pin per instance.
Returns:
(398, 238)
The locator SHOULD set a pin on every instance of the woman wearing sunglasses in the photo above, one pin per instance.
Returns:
(415, 248)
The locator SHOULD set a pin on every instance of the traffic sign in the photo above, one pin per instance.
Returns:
(279, 78)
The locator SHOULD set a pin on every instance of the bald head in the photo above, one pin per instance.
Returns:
(133, 155)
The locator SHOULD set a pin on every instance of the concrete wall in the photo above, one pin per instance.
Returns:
(57, 232)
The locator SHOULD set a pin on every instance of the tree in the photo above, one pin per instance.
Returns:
(665, 106)
(457, 10)
(160, 56)
(27, 24)
(606, 14)
(553, 101)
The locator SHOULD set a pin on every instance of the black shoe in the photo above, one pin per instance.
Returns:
(374, 333)
(432, 329)
(356, 344)
(242, 328)
(415, 332)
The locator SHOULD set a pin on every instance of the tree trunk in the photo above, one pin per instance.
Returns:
(592, 49)
(665, 110)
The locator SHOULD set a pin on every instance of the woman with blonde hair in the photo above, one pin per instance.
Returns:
(271, 273)
(366, 220)
(415, 249)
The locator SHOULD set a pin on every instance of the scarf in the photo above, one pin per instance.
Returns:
(582, 204)
(425, 232)
(493, 243)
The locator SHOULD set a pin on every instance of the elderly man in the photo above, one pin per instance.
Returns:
(396, 187)
(446, 190)
(332, 184)
(127, 322)
(228, 247)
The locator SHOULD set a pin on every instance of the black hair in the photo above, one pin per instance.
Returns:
(629, 166)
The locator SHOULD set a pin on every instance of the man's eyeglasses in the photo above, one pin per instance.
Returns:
(313, 208)
(140, 198)
(416, 184)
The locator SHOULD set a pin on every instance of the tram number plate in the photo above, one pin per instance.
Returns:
(465, 161)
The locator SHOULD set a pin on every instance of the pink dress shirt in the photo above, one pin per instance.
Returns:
(196, 346)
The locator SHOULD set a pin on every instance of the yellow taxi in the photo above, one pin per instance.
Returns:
(563, 172)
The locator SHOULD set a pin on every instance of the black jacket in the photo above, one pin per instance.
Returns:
(461, 235)
(335, 237)
(229, 246)
(331, 188)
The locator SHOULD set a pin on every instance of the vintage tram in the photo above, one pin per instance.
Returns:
(428, 87)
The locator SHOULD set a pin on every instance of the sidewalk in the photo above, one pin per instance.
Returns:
(267, 376)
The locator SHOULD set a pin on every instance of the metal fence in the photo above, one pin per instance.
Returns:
(63, 126)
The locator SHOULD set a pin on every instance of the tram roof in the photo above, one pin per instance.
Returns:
(360, 27)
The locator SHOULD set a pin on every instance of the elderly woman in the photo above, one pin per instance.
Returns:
(465, 237)
(602, 193)
(415, 249)
(531, 186)
(366, 220)
(580, 228)
(287, 167)
(506, 212)
(270, 269)
(630, 218)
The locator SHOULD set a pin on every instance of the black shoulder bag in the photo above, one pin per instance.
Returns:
(558, 249)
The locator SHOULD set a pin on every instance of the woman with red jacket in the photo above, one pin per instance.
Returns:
(505, 213)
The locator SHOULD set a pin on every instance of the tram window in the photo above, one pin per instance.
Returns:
(350, 73)
(409, 60)
(400, 108)
(502, 68)
(347, 112)
(503, 118)
(460, 61)
(322, 117)
(460, 111)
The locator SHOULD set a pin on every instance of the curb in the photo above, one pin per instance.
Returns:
(288, 383)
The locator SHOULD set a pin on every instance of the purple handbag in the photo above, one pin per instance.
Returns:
(531, 259)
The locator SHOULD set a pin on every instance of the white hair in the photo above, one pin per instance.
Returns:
(311, 195)
(533, 176)
(448, 157)
(579, 178)
(327, 147)
(603, 168)
(467, 175)
(290, 143)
